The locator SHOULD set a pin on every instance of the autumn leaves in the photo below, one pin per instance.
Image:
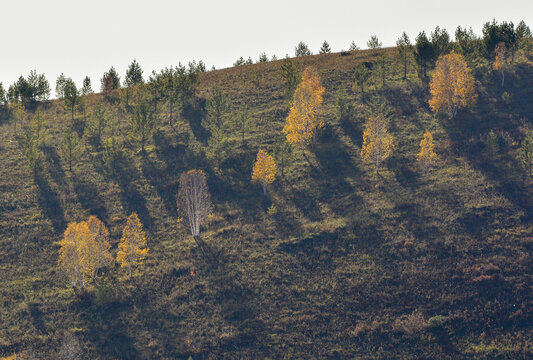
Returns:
(85, 249)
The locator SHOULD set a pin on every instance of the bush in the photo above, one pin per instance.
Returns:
(437, 322)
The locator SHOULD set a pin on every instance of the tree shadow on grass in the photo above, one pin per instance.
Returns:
(89, 197)
(193, 113)
(49, 202)
(54, 164)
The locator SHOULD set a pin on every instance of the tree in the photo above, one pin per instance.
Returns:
(500, 60)
(96, 126)
(134, 75)
(194, 202)
(452, 85)
(17, 113)
(60, 86)
(70, 95)
(264, 171)
(143, 123)
(3, 98)
(75, 254)
(424, 53)
(427, 151)
(218, 107)
(86, 89)
(494, 33)
(99, 245)
(526, 153)
(283, 153)
(373, 43)
(325, 48)
(524, 37)
(70, 147)
(116, 79)
(132, 246)
(353, 46)
(440, 41)
(467, 43)
(240, 62)
(38, 125)
(405, 49)
(361, 76)
(302, 49)
(291, 75)
(304, 120)
(243, 122)
(377, 142)
(262, 58)
(382, 67)
(107, 84)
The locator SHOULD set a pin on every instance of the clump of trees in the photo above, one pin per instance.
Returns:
(29, 90)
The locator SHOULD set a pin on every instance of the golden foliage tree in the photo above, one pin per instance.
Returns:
(99, 244)
(84, 250)
(132, 247)
(500, 60)
(427, 155)
(304, 119)
(264, 171)
(377, 142)
(194, 202)
(452, 85)
(75, 257)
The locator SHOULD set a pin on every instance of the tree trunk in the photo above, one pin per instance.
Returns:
(503, 77)
(264, 189)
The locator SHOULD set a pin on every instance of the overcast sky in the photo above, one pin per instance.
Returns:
(88, 37)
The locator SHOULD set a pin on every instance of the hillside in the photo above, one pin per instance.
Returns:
(334, 272)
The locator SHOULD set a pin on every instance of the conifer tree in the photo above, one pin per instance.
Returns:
(405, 49)
(292, 77)
(353, 46)
(218, 107)
(424, 53)
(60, 86)
(427, 155)
(361, 76)
(440, 41)
(132, 246)
(302, 49)
(452, 85)
(243, 122)
(134, 74)
(283, 153)
(263, 58)
(71, 96)
(264, 171)
(70, 147)
(325, 49)
(377, 142)
(373, 43)
(143, 123)
(3, 98)
(86, 88)
(17, 114)
(304, 120)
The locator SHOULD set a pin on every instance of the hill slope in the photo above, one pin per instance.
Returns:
(335, 271)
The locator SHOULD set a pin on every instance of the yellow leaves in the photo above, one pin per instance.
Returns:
(84, 250)
(377, 142)
(132, 247)
(264, 170)
(304, 121)
(452, 85)
(427, 151)
(500, 58)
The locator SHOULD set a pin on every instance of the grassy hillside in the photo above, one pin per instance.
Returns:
(337, 271)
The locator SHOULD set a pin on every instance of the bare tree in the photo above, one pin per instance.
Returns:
(194, 202)
(70, 348)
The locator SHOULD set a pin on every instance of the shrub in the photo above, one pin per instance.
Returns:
(437, 322)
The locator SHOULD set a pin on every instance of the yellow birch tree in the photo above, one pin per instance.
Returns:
(304, 118)
(75, 254)
(500, 60)
(132, 247)
(452, 85)
(377, 142)
(99, 245)
(264, 171)
(427, 155)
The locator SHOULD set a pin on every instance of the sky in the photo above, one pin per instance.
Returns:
(80, 38)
